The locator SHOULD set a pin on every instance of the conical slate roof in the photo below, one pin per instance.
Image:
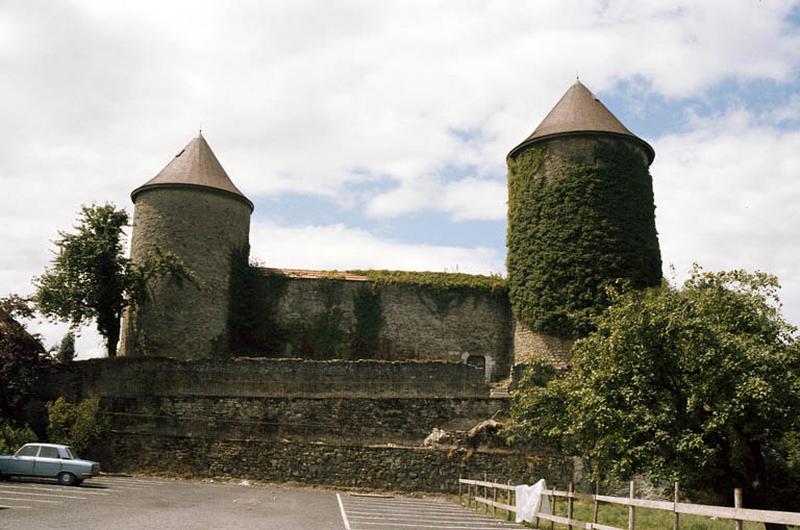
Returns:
(195, 167)
(579, 112)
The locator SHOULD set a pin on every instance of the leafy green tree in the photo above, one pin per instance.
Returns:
(700, 384)
(66, 350)
(91, 279)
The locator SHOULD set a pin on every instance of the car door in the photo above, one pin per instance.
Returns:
(23, 460)
(48, 463)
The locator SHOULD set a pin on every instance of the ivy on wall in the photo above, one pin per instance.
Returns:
(368, 313)
(573, 233)
(254, 297)
(494, 284)
(322, 335)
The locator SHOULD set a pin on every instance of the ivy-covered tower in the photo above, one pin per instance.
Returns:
(193, 210)
(580, 217)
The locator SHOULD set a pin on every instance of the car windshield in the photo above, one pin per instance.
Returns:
(68, 453)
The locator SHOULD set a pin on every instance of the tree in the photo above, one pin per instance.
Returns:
(700, 384)
(21, 356)
(91, 279)
(66, 351)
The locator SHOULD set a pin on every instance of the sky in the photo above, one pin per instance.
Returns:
(374, 134)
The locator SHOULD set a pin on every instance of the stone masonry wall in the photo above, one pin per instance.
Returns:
(153, 376)
(418, 323)
(359, 466)
(533, 345)
(328, 420)
(345, 423)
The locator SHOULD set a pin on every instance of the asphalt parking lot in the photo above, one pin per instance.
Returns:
(132, 503)
(374, 512)
(140, 503)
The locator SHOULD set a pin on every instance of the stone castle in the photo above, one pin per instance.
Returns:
(193, 209)
(340, 377)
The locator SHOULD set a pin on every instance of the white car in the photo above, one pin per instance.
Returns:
(48, 460)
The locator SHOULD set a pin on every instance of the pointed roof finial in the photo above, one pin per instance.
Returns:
(579, 112)
(195, 166)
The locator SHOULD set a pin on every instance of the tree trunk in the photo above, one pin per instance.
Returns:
(756, 488)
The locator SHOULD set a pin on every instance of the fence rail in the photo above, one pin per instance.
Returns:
(736, 514)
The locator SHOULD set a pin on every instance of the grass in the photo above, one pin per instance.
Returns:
(646, 519)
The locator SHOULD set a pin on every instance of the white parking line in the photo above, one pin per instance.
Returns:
(394, 515)
(397, 513)
(29, 500)
(482, 520)
(43, 495)
(428, 526)
(119, 486)
(405, 510)
(132, 480)
(81, 491)
(344, 515)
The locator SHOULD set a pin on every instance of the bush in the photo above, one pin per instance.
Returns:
(79, 425)
(12, 438)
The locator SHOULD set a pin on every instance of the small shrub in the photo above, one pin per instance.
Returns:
(12, 438)
(79, 425)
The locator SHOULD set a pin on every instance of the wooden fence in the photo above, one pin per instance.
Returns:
(502, 496)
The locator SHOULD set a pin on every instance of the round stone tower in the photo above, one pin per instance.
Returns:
(192, 209)
(581, 217)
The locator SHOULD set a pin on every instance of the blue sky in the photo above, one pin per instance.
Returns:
(373, 134)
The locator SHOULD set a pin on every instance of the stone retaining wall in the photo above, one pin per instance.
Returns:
(330, 420)
(152, 376)
(358, 466)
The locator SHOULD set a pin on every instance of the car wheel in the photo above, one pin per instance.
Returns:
(66, 479)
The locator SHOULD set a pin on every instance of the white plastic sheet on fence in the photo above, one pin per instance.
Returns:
(530, 500)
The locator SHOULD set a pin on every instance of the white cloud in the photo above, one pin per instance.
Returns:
(466, 199)
(319, 98)
(727, 194)
(337, 247)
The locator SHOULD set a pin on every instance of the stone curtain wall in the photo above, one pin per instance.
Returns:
(317, 319)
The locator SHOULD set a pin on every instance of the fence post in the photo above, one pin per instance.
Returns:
(631, 511)
(508, 493)
(459, 489)
(553, 505)
(485, 492)
(596, 508)
(494, 496)
(570, 490)
(676, 517)
(737, 503)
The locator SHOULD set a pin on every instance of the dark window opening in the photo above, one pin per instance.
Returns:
(477, 361)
